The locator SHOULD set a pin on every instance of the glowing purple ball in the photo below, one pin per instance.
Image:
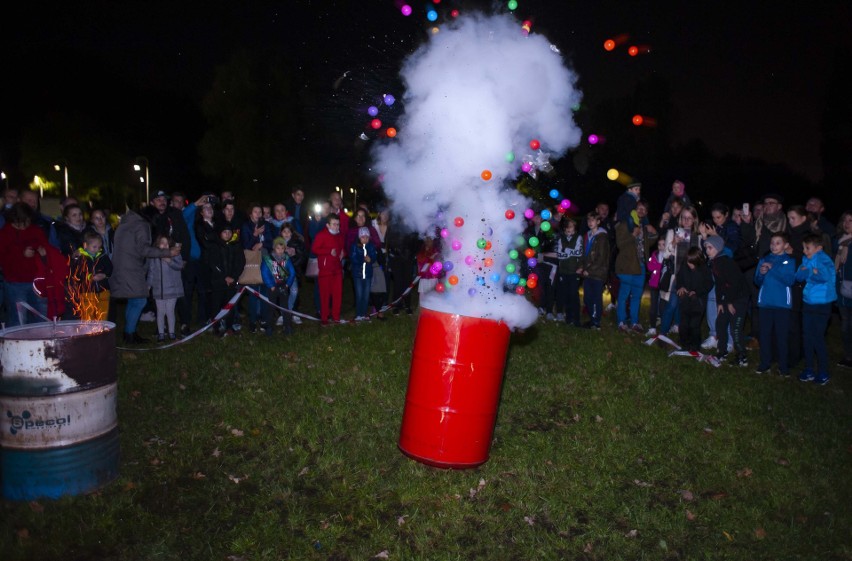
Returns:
(532, 262)
(468, 260)
(389, 99)
(565, 204)
(444, 232)
(406, 10)
(448, 266)
(529, 213)
(457, 245)
(526, 167)
(593, 139)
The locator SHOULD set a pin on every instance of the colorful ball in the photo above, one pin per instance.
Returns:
(520, 290)
(522, 282)
(406, 10)
(529, 213)
(485, 175)
(532, 283)
(532, 276)
(593, 139)
(431, 15)
(444, 232)
(545, 214)
(372, 111)
(388, 99)
(609, 45)
(448, 266)
(376, 124)
(480, 243)
(391, 132)
(526, 167)
(495, 277)
(510, 157)
(535, 144)
(513, 5)
(488, 243)
(458, 221)
(454, 13)
(638, 120)
(533, 241)
(510, 214)
(453, 280)
(468, 260)
(488, 262)
(545, 226)
(471, 292)
(439, 287)
(456, 245)
(532, 262)
(529, 252)
(633, 50)
(554, 194)
(513, 254)
(510, 268)
(565, 204)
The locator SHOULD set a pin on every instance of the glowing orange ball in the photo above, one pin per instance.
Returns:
(529, 252)
(453, 280)
(488, 262)
(486, 174)
(488, 245)
(532, 283)
(609, 45)
(391, 132)
(633, 51)
(638, 120)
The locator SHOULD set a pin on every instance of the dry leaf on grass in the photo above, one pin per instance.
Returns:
(382, 555)
(686, 495)
(782, 462)
(588, 548)
(400, 520)
(690, 516)
(530, 520)
(237, 432)
(632, 533)
(237, 479)
(745, 472)
(759, 533)
(36, 507)
(198, 475)
(303, 471)
(642, 483)
(216, 453)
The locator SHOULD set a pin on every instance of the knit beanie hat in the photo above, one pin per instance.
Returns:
(363, 231)
(717, 242)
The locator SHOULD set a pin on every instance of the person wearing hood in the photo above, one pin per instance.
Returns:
(132, 250)
(732, 295)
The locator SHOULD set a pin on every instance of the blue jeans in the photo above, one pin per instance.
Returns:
(362, 295)
(593, 299)
(568, 297)
(22, 292)
(132, 313)
(814, 323)
(774, 327)
(294, 294)
(631, 288)
(671, 314)
(254, 303)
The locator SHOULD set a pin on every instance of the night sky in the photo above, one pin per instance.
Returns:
(747, 78)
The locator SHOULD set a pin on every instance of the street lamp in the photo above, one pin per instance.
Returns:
(354, 192)
(37, 181)
(63, 165)
(140, 161)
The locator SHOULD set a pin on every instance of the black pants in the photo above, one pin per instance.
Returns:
(568, 297)
(736, 321)
(280, 297)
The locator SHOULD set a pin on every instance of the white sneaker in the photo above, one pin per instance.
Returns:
(541, 311)
(280, 320)
(560, 317)
(710, 343)
(730, 347)
(297, 320)
(148, 316)
(549, 317)
(651, 333)
(610, 307)
(674, 329)
(344, 321)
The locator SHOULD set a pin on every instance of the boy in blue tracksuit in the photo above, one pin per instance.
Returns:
(818, 274)
(775, 275)
(362, 255)
(278, 276)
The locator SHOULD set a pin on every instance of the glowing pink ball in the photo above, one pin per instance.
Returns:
(406, 10)
(529, 213)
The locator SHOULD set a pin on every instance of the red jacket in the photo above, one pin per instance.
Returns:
(13, 242)
(324, 243)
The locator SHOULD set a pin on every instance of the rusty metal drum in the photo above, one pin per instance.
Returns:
(58, 420)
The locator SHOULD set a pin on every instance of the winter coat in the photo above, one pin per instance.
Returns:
(225, 259)
(249, 240)
(775, 284)
(70, 239)
(13, 242)
(164, 278)
(277, 272)
(83, 266)
(730, 233)
(324, 243)
(300, 258)
(629, 261)
(731, 284)
(699, 281)
(132, 249)
(360, 268)
(655, 267)
(569, 251)
(108, 238)
(820, 285)
(595, 260)
(172, 225)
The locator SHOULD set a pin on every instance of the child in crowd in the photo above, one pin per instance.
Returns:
(593, 269)
(297, 253)
(626, 206)
(328, 247)
(569, 251)
(694, 282)
(775, 275)
(655, 268)
(278, 275)
(732, 296)
(164, 280)
(226, 261)
(88, 287)
(425, 258)
(362, 255)
(818, 274)
(678, 193)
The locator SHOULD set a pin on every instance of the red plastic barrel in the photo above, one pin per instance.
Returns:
(453, 389)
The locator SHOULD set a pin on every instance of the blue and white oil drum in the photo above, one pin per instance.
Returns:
(58, 420)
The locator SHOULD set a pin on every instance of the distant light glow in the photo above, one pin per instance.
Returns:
(612, 174)
(593, 139)
(609, 45)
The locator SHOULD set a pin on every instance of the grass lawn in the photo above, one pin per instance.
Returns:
(254, 448)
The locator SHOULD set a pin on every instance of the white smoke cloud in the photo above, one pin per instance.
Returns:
(476, 91)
